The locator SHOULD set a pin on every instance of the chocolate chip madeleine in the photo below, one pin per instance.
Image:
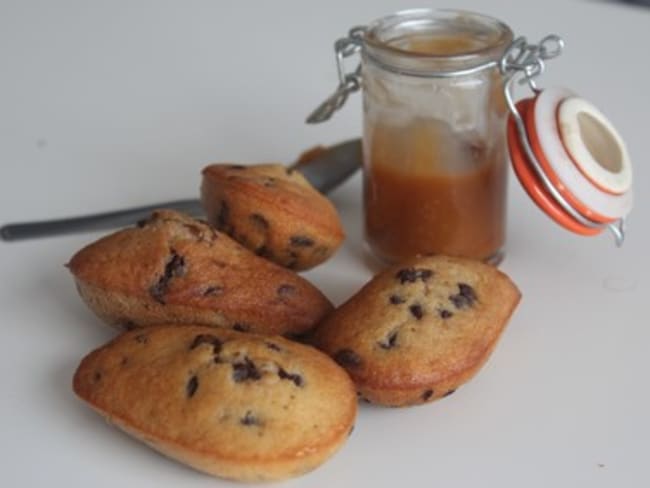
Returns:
(172, 268)
(419, 330)
(273, 211)
(233, 405)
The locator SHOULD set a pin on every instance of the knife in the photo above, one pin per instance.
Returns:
(325, 170)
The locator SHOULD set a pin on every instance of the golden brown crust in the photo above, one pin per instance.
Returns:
(419, 330)
(273, 211)
(234, 405)
(176, 269)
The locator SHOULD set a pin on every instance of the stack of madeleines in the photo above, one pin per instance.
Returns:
(232, 363)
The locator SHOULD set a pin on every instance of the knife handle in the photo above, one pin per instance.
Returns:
(86, 223)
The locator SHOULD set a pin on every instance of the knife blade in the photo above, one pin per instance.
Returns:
(325, 171)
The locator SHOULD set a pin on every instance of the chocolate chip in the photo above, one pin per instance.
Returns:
(241, 327)
(467, 291)
(427, 394)
(209, 339)
(249, 419)
(390, 341)
(264, 252)
(142, 338)
(142, 222)
(212, 291)
(351, 430)
(301, 241)
(448, 393)
(174, 267)
(296, 378)
(411, 275)
(125, 361)
(285, 290)
(417, 311)
(236, 166)
(192, 386)
(466, 296)
(347, 358)
(425, 274)
(445, 314)
(97, 376)
(295, 336)
(245, 371)
(259, 221)
(273, 346)
(127, 324)
(396, 299)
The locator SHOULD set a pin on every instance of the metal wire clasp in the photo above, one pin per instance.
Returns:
(529, 59)
(525, 62)
(348, 82)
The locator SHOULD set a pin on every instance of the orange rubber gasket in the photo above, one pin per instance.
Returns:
(531, 183)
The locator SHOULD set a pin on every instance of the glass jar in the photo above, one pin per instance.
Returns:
(435, 161)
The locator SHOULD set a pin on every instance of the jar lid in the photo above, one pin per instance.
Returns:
(571, 161)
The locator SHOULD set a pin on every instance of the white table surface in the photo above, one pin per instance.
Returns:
(119, 103)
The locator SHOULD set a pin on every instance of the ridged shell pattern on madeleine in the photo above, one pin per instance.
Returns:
(419, 330)
(234, 405)
(172, 268)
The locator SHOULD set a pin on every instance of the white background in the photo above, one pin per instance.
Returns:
(112, 104)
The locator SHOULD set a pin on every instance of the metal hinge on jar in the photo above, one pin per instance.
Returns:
(348, 82)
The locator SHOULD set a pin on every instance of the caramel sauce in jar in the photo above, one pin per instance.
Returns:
(416, 203)
(435, 166)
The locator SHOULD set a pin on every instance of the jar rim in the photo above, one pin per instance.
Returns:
(380, 46)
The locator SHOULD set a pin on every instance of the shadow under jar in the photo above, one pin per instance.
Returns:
(435, 161)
